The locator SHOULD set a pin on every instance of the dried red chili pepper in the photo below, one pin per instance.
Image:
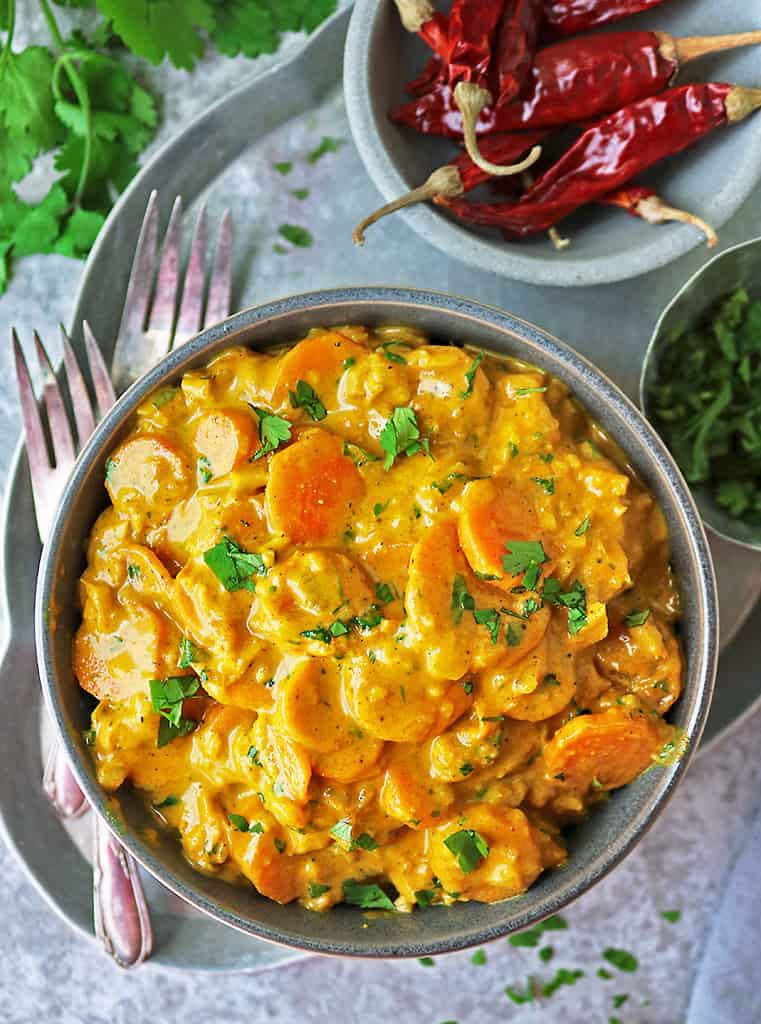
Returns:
(419, 16)
(612, 152)
(577, 80)
(477, 29)
(456, 178)
(648, 206)
(567, 17)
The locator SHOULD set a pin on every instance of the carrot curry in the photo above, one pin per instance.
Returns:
(372, 619)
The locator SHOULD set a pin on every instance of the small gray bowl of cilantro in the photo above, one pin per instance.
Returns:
(701, 389)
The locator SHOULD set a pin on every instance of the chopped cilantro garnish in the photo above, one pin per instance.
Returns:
(556, 923)
(365, 842)
(379, 508)
(168, 801)
(348, 363)
(306, 398)
(602, 973)
(317, 889)
(479, 958)
(279, 844)
(575, 600)
(189, 653)
(512, 636)
(521, 997)
(368, 897)
(253, 756)
(426, 961)
(300, 193)
(358, 455)
(233, 566)
(394, 357)
(243, 825)
(110, 469)
(546, 954)
(401, 436)
(522, 556)
(90, 737)
(167, 696)
(371, 618)
(296, 235)
(204, 470)
(133, 571)
(338, 628)
(562, 977)
(470, 376)
(672, 916)
(424, 897)
(462, 600)
(547, 483)
(469, 847)
(637, 617)
(530, 391)
(583, 526)
(621, 959)
(466, 769)
(467, 687)
(318, 633)
(514, 450)
(618, 1001)
(384, 593)
(327, 145)
(488, 617)
(273, 431)
(528, 939)
(283, 167)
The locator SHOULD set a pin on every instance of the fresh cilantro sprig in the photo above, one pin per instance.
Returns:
(167, 696)
(305, 397)
(233, 566)
(469, 847)
(401, 436)
(273, 431)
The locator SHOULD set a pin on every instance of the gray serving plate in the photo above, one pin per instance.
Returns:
(596, 845)
(225, 158)
(711, 179)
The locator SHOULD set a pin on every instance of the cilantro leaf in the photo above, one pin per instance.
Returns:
(621, 959)
(424, 898)
(233, 566)
(167, 696)
(244, 26)
(157, 28)
(358, 455)
(672, 916)
(479, 958)
(305, 397)
(243, 825)
(296, 235)
(168, 801)
(575, 600)
(469, 847)
(524, 556)
(368, 897)
(384, 593)
(470, 376)
(273, 431)
(461, 599)
(327, 145)
(401, 436)
(562, 977)
(488, 617)
(547, 483)
(28, 125)
(317, 889)
(583, 526)
(189, 653)
(637, 617)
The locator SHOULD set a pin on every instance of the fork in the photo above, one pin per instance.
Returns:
(151, 324)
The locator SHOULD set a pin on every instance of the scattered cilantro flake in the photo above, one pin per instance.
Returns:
(358, 455)
(283, 167)
(368, 897)
(133, 571)
(394, 357)
(469, 847)
(547, 483)
(470, 376)
(110, 469)
(318, 633)
(546, 954)
(168, 801)
(604, 974)
(461, 599)
(521, 997)
(618, 1001)
(401, 436)
(528, 939)
(426, 961)
(556, 923)
(341, 831)
(365, 842)
(562, 977)
(512, 636)
(384, 593)
(338, 628)
(621, 959)
(522, 392)
(305, 397)
(233, 566)
(204, 470)
(574, 600)
(424, 897)
(513, 449)
(479, 958)
(327, 145)
(583, 526)
(466, 769)
(273, 431)
(637, 617)
(243, 825)
(672, 916)
(189, 653)
(317, 889)
(349, 362)
(488, 617)
(253, 755)
(300, 193)
(279, 249)
(467, 687)
(90, 737)
(296, 235)
(279, 844)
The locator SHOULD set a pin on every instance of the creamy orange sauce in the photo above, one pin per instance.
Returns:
(374, 612)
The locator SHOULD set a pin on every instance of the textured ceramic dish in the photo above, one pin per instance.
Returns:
(597, 845)
(712, 179)
(739, 267)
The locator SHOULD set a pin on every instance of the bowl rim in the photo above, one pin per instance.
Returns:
(649, 368)
(547, 349)
(666, 245)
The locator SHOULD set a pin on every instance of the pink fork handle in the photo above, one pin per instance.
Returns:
(61, 787)
(122, 918)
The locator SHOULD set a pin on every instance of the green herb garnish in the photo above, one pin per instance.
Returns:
(575, 600)
(469, 847)
(637, 617)
(273, 431)
(470, 376)
(317, 889)
(305, 397)
(233, 566)
(368, 897)
(327, 145)
(189, 653)
(296, 235)
(168, 801)
(672, 916)
(583, 526)
(621, 959)
(243, 825)
(562, 977)
(479, 958)
(167, 696)
(462, 600)
(547, 483)
(401, 436)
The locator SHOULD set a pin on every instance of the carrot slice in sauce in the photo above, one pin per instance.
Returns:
(226, 438)
(311, 487)
(610, 748)
(318, 358)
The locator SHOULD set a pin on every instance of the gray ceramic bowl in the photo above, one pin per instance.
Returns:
(738, 267)
(712, 179)
(597, 845)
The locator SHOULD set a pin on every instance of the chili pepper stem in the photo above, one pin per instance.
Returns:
(444, 181)
(741, 103)
(700, 46)
(558, 241)
(471, 99)
(654, 211)
(414, 13)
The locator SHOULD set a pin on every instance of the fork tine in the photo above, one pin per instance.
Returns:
(165, 298)
(80, 399)
(58, 419)
(191, 306)
(36, 445)
(104, 389)
(138, 295)
(220, 283)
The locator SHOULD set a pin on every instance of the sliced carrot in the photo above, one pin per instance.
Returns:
(408, 794)
(271, 871)
(311, 487)
(609, 748)
(147, 473)
(147, 574)
(318, 359)
(645, 660)
(115, 666)
(357, 759)
(226, 438)
(494, 513)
